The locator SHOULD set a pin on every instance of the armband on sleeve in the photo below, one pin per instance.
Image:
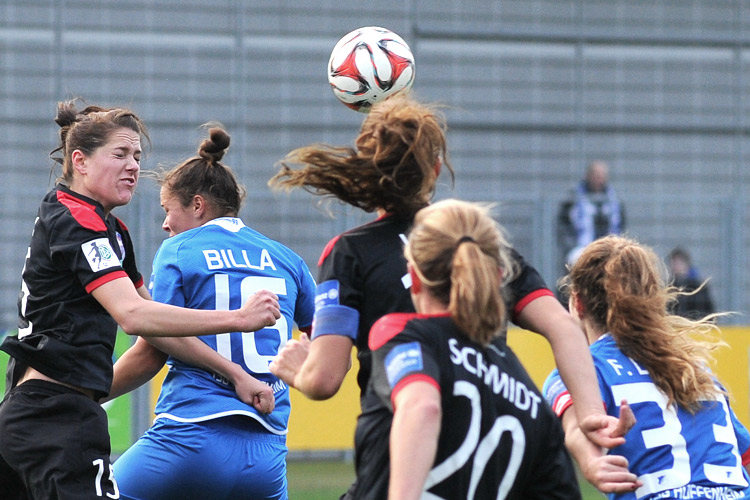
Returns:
(330, 317)
(556, 393)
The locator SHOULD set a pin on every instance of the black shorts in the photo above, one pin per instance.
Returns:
(55, 444)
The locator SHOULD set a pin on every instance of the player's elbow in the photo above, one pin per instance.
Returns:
(322, 386)
(419, 402)
(429, 410)
(132, 321)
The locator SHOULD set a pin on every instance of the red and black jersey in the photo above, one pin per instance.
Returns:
(63, 332)
(369, 264)
(497, 435)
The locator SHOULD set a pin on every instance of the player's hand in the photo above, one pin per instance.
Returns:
(252, 391)
(289, 360)
(607, 431)
(260, 310)
(626, 420)
(610, 474)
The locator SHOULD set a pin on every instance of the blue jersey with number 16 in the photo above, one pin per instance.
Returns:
(674, 453)
(219, 266)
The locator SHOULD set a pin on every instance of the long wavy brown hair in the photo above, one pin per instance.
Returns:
(620, 285)
(394, 165)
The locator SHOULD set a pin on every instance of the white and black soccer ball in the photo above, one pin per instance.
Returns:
(369, 64)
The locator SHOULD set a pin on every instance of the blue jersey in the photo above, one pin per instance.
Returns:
(674, 453)
(219, 266)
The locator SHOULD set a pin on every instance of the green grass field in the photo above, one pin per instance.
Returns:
(328, 479)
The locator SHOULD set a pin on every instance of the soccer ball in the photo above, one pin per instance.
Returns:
(368, 65)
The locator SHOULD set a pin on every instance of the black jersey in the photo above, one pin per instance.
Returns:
(498, 438)
(369, 264)
(63, 332)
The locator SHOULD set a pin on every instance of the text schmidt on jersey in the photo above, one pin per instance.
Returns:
(511, 389)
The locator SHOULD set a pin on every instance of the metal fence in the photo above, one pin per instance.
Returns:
(533, 90)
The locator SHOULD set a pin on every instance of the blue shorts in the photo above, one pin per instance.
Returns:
(230, 458)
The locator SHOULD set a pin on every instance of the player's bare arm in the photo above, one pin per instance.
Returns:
(193, 351)
(608, 473)
(317, 368)
(146, 358)
(138, 316)
(546, 316)
(139, 364)
(413, 440)
(252, 391)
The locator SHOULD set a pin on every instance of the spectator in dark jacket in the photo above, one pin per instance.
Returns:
(696, 302)
(593, 210)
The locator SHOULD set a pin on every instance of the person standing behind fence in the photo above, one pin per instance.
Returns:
(462, 416)
(694, 300)
(592, 211)
(79, 282)
(687, 441)
(207, 444)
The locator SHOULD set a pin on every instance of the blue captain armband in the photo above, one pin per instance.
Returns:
(336, 320)
(330, 317)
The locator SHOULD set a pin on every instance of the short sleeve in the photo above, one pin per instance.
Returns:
(305, 305)
(129, 261)
(526, 286)
(405, 358)
(86, 253)
(166, 284)
(341, 264)
(743, 437)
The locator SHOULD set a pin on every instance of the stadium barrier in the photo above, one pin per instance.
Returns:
(328, 426)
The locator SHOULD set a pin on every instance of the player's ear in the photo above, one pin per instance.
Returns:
(438, 166)
(416, 284)
(575, 306)
(198, 205)
(78, 160)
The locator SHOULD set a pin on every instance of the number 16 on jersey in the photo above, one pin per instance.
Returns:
(252, 343)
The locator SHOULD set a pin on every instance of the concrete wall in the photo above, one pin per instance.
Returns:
(533, 90)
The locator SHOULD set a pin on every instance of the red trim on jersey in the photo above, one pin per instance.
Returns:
(139, 283)
(561, 403)
(84, 213)
(388, 327)
(106, 279)
(391, 325)
(417, 377)
(327, 250)
(329, 246)
(528, 299)
(746, 457)
(122, 224)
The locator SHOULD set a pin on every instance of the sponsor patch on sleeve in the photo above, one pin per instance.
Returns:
(100, 255)
(403, 360)
(327, 294)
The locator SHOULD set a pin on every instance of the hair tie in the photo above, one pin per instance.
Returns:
(462, 239)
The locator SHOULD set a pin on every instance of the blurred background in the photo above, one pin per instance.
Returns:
(533, 91)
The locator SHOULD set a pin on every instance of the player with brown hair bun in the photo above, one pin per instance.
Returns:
(80, 281)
